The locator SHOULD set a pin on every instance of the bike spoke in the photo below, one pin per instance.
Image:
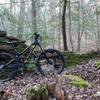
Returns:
(54, 63)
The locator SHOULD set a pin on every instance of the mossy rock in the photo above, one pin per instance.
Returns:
(5, 39)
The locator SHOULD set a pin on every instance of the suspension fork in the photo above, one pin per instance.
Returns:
(44, 54)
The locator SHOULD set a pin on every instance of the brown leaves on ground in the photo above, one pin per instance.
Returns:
(16, 89)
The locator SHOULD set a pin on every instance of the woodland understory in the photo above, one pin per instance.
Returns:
(77, 82)
(69, 26)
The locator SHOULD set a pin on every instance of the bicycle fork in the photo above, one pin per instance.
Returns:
(48, 61)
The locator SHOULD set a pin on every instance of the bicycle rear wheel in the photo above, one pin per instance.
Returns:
(55, 63)
(5, 72)
(5, 57)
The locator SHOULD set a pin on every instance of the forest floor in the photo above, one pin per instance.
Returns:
(16, 89)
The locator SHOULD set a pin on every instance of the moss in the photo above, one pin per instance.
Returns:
(21, 47)
(98, 63)
(71, 59)
(30, 65)
(77, 81)
(37, 92)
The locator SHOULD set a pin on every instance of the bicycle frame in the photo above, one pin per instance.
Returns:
(18, 55)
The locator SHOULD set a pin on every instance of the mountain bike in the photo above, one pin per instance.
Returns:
(48, 60)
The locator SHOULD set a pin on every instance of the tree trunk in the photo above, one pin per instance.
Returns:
(11, 5)
(34, 25)
(98, 25)
(64, 26)
(70, 33)
(45, 25)
(98, 33)
(21, 19)
(59, 25)
(83, 18)
(78, 29)
(3, 24)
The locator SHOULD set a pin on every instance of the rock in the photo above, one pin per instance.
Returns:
(11, 38)
(5, 47)
(3, 33)
(97, 93)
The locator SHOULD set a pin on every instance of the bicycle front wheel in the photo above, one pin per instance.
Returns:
(50, 61)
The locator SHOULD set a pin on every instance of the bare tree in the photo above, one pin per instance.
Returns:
(80, 31)
(64, 25)
(21, 19)
(11, 5)
(59, 24)
(70, 33)
(34, 23)
(78, 27)
(98, 26)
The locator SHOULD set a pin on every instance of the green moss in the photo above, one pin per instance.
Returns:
(37, 92)
(98, 63)
(21, 47)
(77, 81)
(30, 65)
(71, 59)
